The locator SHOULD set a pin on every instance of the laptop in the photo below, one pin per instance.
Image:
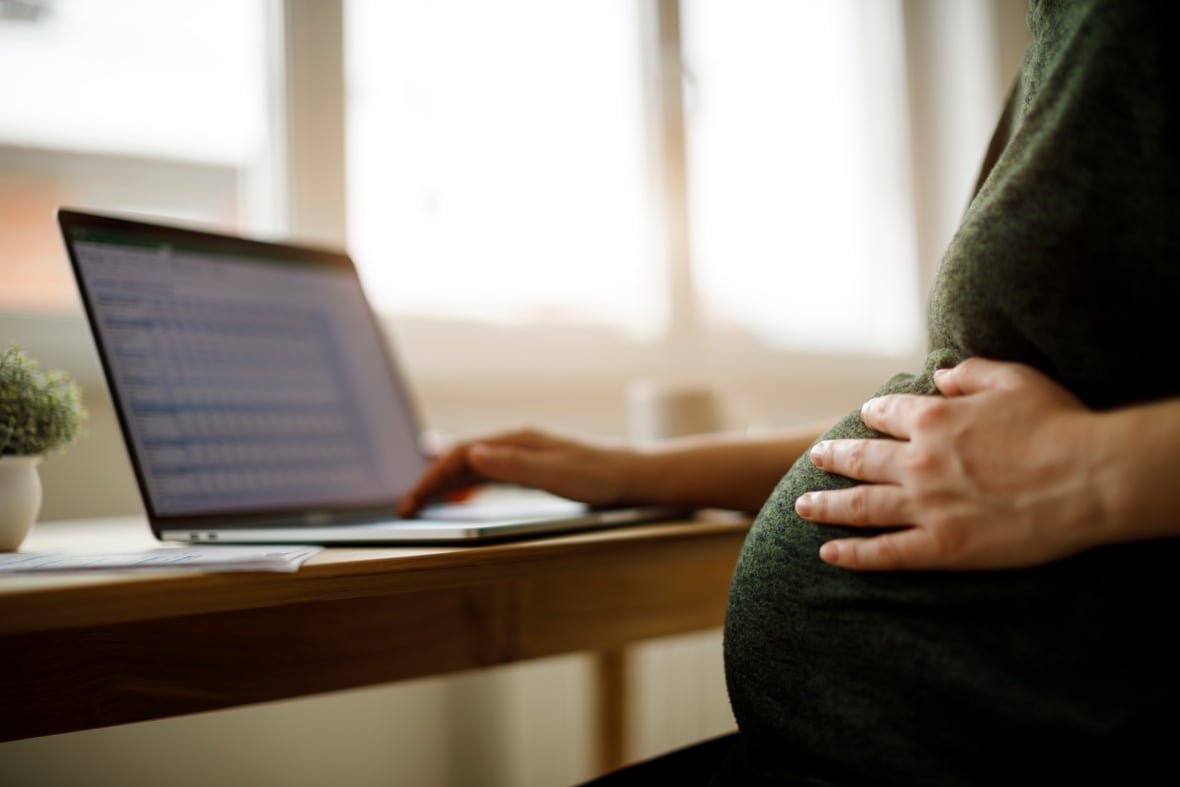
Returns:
(260, 401)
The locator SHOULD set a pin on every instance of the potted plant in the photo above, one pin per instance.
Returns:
(40, 412)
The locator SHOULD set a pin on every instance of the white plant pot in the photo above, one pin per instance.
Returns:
(20, 499)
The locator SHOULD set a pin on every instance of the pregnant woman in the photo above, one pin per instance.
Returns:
(974, 578)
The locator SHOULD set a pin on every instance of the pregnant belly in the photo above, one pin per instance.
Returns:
(897, 677)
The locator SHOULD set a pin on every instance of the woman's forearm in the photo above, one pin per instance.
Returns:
(719, 471)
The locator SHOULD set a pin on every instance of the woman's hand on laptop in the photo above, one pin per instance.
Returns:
(578, 469)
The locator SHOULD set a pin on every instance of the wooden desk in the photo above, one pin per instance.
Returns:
(85, 651)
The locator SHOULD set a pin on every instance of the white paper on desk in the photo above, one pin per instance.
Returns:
(201, 558)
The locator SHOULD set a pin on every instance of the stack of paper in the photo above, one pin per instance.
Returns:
(197, 558)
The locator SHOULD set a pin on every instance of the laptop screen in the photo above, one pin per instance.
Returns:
(249, 376)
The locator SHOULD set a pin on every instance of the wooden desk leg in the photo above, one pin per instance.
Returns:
(611, 674)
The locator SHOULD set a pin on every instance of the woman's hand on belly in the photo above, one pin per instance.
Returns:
(1000, 472)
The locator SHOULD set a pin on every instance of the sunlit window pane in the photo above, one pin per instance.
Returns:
(147, 106)
(147, 77)
(797, 172)
(496, 163)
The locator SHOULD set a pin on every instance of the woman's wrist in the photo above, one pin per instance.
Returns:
(1136, 452)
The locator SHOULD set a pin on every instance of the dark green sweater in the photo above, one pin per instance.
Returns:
(1068, 259)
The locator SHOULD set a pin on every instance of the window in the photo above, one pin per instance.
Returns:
(797, 173)
(500, 166)
(568, 194)
(496, 160)
(153, 106)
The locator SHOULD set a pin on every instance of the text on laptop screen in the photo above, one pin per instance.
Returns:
(248, 383)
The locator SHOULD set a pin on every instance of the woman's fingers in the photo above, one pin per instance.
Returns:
(867, 505)
(976, 375)
(872, 460)
(451, 472)
(528, 457)
(911, 548)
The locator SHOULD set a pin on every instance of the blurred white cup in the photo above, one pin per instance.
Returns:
(659, 410)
